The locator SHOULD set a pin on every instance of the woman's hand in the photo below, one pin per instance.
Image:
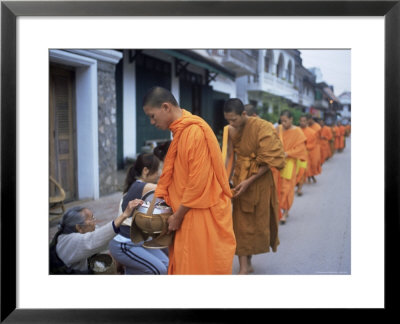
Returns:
(131, 206)
(128, 211)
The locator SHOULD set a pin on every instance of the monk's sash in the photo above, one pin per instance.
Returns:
(287, 171)
(245, 166)
(300, 165)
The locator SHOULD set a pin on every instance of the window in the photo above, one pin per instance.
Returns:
(266, 64)
(268, 61)
(279, 67)
(318, 94)
(289, 72)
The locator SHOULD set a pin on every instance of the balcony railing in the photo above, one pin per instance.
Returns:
(280, 87)
(240, 61)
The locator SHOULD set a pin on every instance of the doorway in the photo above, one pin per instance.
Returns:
(62, 133)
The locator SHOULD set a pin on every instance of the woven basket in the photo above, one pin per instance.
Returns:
(105, 259)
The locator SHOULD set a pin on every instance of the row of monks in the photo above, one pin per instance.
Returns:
(321, 142)
(295, 155)
(232, 205)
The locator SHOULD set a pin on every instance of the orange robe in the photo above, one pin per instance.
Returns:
(342, 136)
(194, 176)
(336, 131)
(228, 160)
(294, 144)
(339, 134)
(226, 157)
(332, 141)
(318, 169)
(255, 211)
(325, 146)
(348, 130)
(313, 165)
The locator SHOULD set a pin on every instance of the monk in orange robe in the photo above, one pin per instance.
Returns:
(348, 130)
(343, 136)
(227, 151)
(312, 150)
(316, 167)
(332, 141)
(339, 134)
(336, 132)
(257, 149)
(326, 136)
(195, 184)
(294, 144)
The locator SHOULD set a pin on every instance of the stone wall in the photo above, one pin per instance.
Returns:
(107, 120)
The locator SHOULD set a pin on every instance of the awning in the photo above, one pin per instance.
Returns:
(200, 61)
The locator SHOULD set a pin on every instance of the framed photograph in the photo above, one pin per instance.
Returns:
(371, 29)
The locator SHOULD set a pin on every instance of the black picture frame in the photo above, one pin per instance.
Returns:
(10, 10)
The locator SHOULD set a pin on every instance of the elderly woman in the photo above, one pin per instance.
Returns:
(78, 239)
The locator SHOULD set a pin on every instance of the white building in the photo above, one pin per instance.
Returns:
(280, 79)
(345, 100)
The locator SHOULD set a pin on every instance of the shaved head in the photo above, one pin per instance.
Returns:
(156, 96)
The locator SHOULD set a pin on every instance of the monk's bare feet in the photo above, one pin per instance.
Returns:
(244, 261)
(284, 216)
(250, 268)
(243, 272)
(299, 191)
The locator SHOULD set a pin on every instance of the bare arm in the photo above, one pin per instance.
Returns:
(242, 187)
(128, 211)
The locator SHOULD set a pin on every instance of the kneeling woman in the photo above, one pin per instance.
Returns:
(141, 178)
(78, 239)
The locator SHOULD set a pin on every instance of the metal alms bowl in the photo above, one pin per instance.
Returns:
(156, 222)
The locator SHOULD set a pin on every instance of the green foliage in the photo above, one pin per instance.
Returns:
(280, 105)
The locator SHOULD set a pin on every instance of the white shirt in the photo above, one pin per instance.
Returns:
(74, 249)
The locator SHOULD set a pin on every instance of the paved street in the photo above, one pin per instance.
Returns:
(316, 237)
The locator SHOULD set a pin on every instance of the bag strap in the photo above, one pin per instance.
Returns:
(151, 207)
